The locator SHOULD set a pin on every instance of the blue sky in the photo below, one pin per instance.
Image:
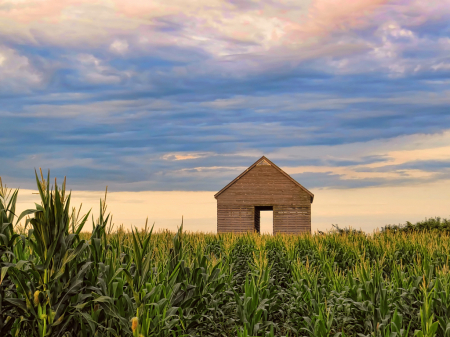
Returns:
(142, 96)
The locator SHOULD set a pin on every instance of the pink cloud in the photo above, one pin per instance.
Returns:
(328, 16)
(218, 27)
(263, 23)
(28, 11)
(150, 9)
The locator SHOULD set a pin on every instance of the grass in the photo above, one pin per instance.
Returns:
(57, 280)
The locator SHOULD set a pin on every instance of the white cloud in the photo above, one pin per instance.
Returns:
(17, 74)
(119, 46)
(285, 102)
(441, 66)
(95, 71)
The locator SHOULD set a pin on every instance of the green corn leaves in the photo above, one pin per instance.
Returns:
(56, 279)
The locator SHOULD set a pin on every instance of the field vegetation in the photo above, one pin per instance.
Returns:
(59, 280)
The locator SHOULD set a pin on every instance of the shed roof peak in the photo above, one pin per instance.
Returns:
(264, 161)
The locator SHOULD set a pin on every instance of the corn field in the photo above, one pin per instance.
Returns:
(58, 280)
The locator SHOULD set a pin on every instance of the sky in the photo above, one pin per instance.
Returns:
(171, 100)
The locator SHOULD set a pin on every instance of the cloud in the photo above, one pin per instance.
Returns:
(17, 73)
(328, 16)
(220, 28)
(187, 156)
(174, 95)
(119, 46)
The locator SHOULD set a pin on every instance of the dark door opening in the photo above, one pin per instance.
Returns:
(266, 225)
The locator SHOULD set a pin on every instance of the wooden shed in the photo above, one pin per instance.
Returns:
(264, 186)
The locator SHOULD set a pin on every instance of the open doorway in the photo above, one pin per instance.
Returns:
(264, 219)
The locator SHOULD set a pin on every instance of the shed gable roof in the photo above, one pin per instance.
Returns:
(264, 161)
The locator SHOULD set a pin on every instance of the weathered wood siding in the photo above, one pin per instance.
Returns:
(264, 185)
(232, 218)
(291, 219)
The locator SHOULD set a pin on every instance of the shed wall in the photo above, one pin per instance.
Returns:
(235, 219)
(291, 219)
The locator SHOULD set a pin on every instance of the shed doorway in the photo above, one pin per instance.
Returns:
(264, 219)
